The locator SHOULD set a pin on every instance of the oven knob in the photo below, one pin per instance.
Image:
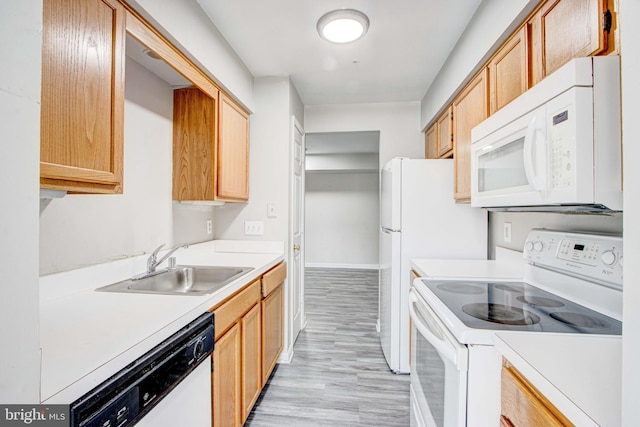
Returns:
(608, 258)
(528, 245)
(537, 246)
(198, 348)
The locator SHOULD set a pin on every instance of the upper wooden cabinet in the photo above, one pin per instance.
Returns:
(210, 148)
(470, 107)
(444, 142)
(194, 145)
(82, 109)
(430, 141)
(439, 137)
(566, 29)
(233, 152)
(509, 71)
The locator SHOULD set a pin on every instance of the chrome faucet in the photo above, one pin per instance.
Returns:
(153, 261)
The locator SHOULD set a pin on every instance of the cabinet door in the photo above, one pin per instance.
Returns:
(509, 71)
(567, 29)
(430, 141)
(272, 330)
(233, 152)
(251, 366)
(194, 145)
(469, 108)
(82, 106)
(444, 141)
(524, 405)
(226, 379)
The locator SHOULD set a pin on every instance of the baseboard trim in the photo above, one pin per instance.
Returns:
(285, 357)
(346, 266)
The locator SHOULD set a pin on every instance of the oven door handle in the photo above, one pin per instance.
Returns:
(442, 345)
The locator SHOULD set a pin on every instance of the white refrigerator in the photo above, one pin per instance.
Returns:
(418, 219)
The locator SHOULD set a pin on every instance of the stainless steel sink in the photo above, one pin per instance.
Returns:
(181, 280)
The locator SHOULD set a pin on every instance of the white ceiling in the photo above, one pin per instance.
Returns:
(407, 43)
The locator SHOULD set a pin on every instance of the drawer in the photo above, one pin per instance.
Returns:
(274, 277)
(232, 309)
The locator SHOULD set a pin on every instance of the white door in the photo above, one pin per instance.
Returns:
(296, 254)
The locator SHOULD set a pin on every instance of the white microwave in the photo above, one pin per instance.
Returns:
(558, 145)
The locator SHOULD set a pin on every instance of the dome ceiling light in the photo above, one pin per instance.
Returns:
(343, 26)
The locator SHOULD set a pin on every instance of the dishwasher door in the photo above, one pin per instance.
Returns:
(172, 380)
(189, 404)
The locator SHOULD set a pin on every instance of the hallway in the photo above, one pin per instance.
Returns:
(338, 375)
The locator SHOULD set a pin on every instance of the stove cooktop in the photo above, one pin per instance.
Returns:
(518, 306)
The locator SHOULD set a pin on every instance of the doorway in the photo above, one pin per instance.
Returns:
(342, 200)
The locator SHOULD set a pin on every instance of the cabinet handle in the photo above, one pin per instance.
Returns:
(296, 247)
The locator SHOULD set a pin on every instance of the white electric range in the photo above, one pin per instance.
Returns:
(572, 283)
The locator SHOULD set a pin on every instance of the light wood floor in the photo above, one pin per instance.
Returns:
(338, 376)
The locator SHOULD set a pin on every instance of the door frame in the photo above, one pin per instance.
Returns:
(295, 206)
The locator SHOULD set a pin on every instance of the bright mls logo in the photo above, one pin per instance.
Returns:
(36, 415)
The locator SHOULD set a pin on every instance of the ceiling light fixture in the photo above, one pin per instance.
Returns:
(343, 25)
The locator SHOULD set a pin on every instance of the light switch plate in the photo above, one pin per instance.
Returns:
(271, 210)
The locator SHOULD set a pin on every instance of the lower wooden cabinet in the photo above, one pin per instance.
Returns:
(272, 330)
(236, 357)
(249, 338)
(226, 379)
(251, 360)
(272, 318)
(523, 405)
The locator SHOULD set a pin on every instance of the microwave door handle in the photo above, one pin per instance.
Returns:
(442, 346)
(530, 152)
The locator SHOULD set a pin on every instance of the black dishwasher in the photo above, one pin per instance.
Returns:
(127, 396)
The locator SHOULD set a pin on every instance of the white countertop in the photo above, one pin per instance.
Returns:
(579, 374)
(87, 336)
(508, 265)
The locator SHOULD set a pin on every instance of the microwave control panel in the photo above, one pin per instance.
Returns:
(561, 145)
(594, 257)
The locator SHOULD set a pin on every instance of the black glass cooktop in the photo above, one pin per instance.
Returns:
(518, 306)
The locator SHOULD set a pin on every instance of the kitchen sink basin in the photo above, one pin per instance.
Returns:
(181, 280)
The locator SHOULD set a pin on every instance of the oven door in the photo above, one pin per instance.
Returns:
(438, 370)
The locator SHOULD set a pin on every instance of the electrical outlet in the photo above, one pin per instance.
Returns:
(209, 226)
(254, 228)
(507, 232)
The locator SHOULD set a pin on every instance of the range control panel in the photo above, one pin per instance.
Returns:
(594, 257)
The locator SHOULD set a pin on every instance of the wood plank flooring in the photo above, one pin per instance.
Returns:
(338, 375)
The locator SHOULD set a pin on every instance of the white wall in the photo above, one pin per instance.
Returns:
(398, 123)
(80, 230)
(268, 167)
(275, 100)
(492, 23)
(19, 173)
(188, 27)
(342, 161)
(522, 222)
(342, 220)
(630, 34)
